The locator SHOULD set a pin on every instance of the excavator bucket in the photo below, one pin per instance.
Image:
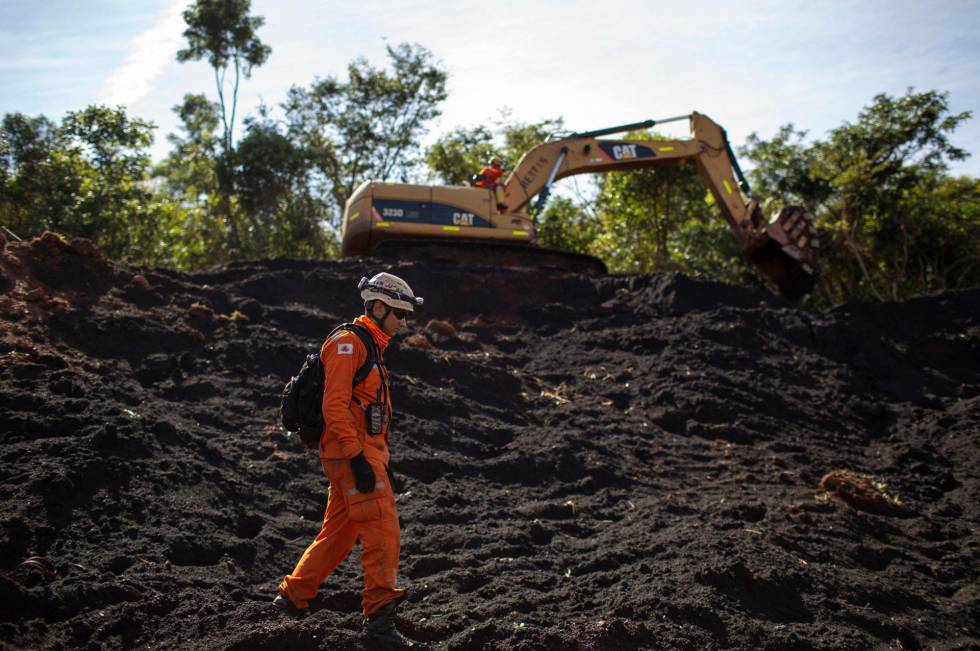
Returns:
(786, 252)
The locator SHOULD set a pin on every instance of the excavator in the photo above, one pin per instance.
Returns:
(465, 224)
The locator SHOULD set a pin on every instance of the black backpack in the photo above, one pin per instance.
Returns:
(300, 409)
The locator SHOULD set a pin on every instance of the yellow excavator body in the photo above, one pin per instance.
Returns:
(460, 223)
(379, 212)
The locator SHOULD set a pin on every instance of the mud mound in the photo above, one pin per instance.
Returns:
(587, 462)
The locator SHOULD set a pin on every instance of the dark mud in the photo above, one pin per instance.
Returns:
(587, 463)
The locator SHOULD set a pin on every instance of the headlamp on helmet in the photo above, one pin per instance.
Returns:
(390, 290)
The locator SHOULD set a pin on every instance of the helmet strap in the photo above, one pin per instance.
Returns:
(377, 321)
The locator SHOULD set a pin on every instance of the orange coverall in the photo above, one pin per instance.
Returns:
(491, 177)
(350, 515)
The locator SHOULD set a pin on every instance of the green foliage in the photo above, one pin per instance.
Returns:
(34, 190)
(286, 214)
(936, 247)
(87, 177)
(276, 209)
(224, 33)
(568, 226)
(705, 247)
(519, 137)
(782, 174)
(456, 157)
(640, 209)
(460, 154)
(890, 228)
(199, 233)
(190, 168)
(368, 127)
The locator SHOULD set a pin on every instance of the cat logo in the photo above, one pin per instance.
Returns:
(463, 218)
(621, 152)
(625, 150)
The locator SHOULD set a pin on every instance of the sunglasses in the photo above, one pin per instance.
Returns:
(399, 314)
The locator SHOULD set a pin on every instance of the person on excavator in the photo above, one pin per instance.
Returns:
(354, 455)
(489, 177)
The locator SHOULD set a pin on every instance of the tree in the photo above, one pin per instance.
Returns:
(567, 225)
(872, 185)
(705, 247)
(276, 209)
(224, 33)
(201, 233)
(783, 173)
(942, 231)
(287, 216)
(31, 190)
(457, 156)
(189, 169)
(368, 127)
(88, 177)
(641, 209)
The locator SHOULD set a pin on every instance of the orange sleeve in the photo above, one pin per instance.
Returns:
(494, 174)
(341, 355)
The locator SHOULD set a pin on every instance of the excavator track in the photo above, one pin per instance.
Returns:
(489, 254)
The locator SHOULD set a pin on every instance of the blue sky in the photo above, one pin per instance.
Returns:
(751, 66)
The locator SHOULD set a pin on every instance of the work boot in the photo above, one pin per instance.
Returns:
(286, 607)
(381, 627)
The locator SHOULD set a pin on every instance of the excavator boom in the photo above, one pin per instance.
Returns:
(400, 217)
(784, 250)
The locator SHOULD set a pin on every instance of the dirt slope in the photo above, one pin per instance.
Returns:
(588, 463)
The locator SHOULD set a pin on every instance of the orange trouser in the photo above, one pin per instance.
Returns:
(370, 517)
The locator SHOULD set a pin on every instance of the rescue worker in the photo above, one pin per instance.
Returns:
(354, 455)
(489, 177)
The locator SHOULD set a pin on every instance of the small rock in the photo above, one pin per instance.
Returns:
(441, 327)
(85, 248)
(37, 295)
(419, 341)
(51, 240)
(200, 311)
(140, 281)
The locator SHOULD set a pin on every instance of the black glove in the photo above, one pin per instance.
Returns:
(364, 479)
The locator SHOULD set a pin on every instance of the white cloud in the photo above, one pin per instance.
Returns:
(148, 54)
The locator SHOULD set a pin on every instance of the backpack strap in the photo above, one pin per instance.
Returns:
(372, 350)
(372, 353)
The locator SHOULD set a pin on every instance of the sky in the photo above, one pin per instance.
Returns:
(751, 66)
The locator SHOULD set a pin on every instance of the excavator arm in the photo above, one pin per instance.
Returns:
(784, 249)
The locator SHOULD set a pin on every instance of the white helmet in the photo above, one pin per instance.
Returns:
(390, 290)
